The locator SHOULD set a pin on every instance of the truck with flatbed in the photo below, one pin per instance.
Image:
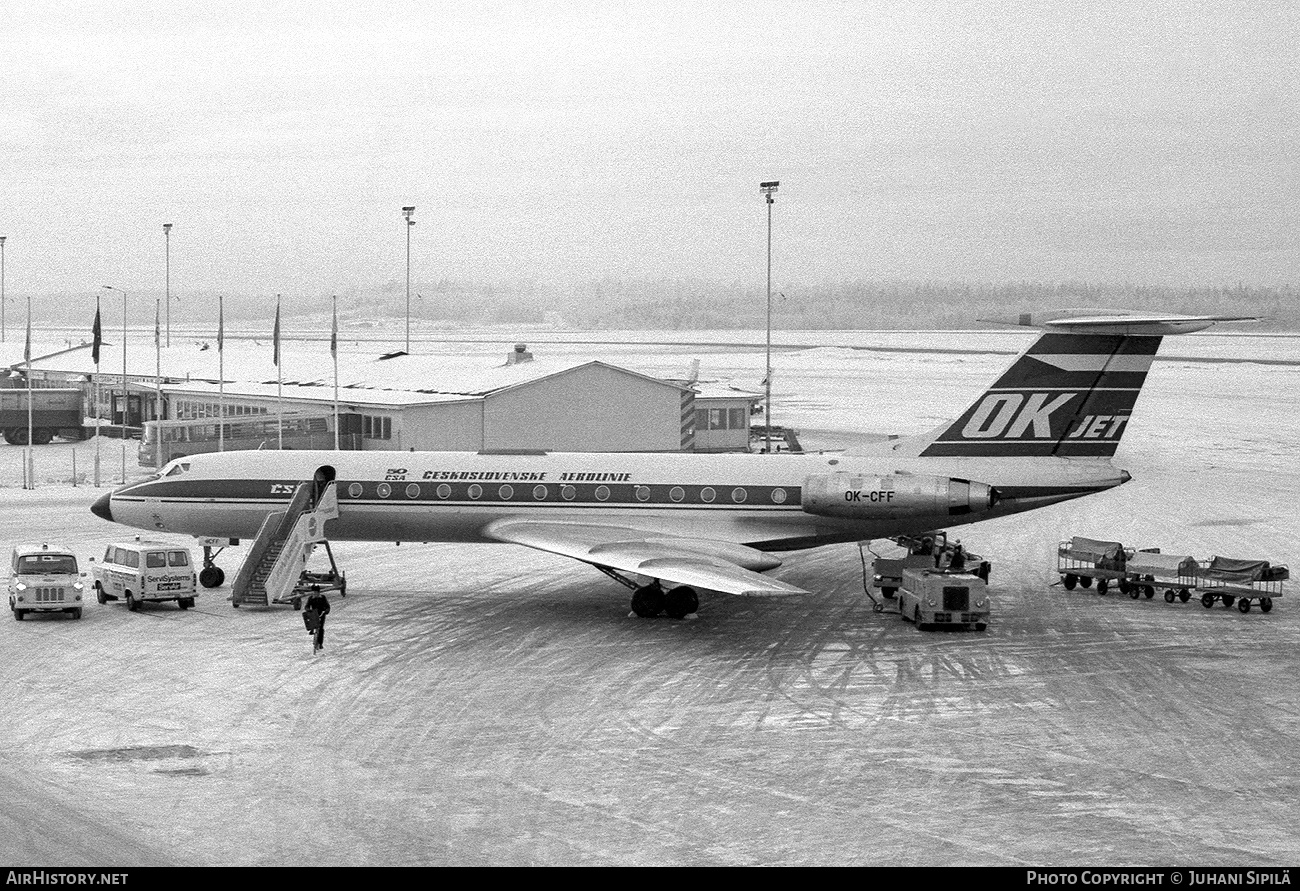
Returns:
(55, 411)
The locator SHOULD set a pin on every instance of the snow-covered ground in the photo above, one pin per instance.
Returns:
(490, 704)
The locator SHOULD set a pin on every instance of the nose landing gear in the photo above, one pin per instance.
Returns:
(212, 575)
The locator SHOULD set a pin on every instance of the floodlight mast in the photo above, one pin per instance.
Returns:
(769, 189)
(406, 212)
(167, 233)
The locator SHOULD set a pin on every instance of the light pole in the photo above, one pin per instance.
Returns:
(167, 232)
(406, 212)
(769, 189)
(2, 287)
(126, 401)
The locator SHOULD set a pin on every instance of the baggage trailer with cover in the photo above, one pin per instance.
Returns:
(1148, 570)
(1081, 561)
(1241, 581)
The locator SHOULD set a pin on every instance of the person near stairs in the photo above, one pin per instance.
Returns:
(313, 614)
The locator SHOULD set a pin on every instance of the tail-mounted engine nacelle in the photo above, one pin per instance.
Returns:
(858, 497)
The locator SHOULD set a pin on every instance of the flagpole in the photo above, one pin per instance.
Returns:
(221, 374)
(27, 354)
(334, 351)
(157, 411)
(99, 385)
(279, 382)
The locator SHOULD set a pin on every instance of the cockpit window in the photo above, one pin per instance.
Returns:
(177, 468)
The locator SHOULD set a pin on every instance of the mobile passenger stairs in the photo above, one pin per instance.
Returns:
(275, 570)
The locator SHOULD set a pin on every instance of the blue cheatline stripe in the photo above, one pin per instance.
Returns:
(423, 492)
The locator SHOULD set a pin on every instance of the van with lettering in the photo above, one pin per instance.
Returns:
(146, 571)
(43, 578)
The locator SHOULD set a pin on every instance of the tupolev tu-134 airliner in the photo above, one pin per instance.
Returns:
(1043, 433)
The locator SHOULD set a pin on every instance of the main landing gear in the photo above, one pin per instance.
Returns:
(650, 600)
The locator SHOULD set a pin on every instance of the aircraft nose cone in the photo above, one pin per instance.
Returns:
(1124, 476)
(101, 507)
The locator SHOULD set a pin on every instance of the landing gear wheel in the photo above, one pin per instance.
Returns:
(1169, 596)
(1086, 581)
(648, 601)
(681, 602)
(1184, 595)
(1069, 580)
(211, 577)
(131, 603)
(1244, 605)
(1207, 600)
(1266, 604)
(1101, 587)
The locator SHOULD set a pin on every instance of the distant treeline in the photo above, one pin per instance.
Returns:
(694, 304)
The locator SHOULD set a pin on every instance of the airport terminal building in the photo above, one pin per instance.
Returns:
(401, 402)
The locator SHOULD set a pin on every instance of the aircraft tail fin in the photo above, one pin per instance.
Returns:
(1070, 394)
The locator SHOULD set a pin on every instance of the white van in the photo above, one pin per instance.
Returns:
(43, 579)
(146, 570)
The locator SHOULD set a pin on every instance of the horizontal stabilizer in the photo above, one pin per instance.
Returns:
(1115, 321)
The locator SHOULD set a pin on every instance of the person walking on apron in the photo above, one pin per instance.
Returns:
(313, 616)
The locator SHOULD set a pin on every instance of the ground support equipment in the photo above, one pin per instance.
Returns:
(1242, 582)
(1147, 571)
(1082, 561)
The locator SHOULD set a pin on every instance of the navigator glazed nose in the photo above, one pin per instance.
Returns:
(101, 507)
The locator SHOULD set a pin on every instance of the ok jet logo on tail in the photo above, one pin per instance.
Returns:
(1013, 415)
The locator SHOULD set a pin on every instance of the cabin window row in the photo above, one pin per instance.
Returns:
(706, 495)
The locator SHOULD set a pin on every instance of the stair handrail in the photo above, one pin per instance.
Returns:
(284, 522)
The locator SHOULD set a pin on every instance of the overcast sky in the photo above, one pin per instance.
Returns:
(1132, 141)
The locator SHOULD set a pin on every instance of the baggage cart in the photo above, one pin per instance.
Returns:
(1244, 582)
(1148, 570)
(1081, 561)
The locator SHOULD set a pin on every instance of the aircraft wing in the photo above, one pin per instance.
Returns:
(712, 565)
